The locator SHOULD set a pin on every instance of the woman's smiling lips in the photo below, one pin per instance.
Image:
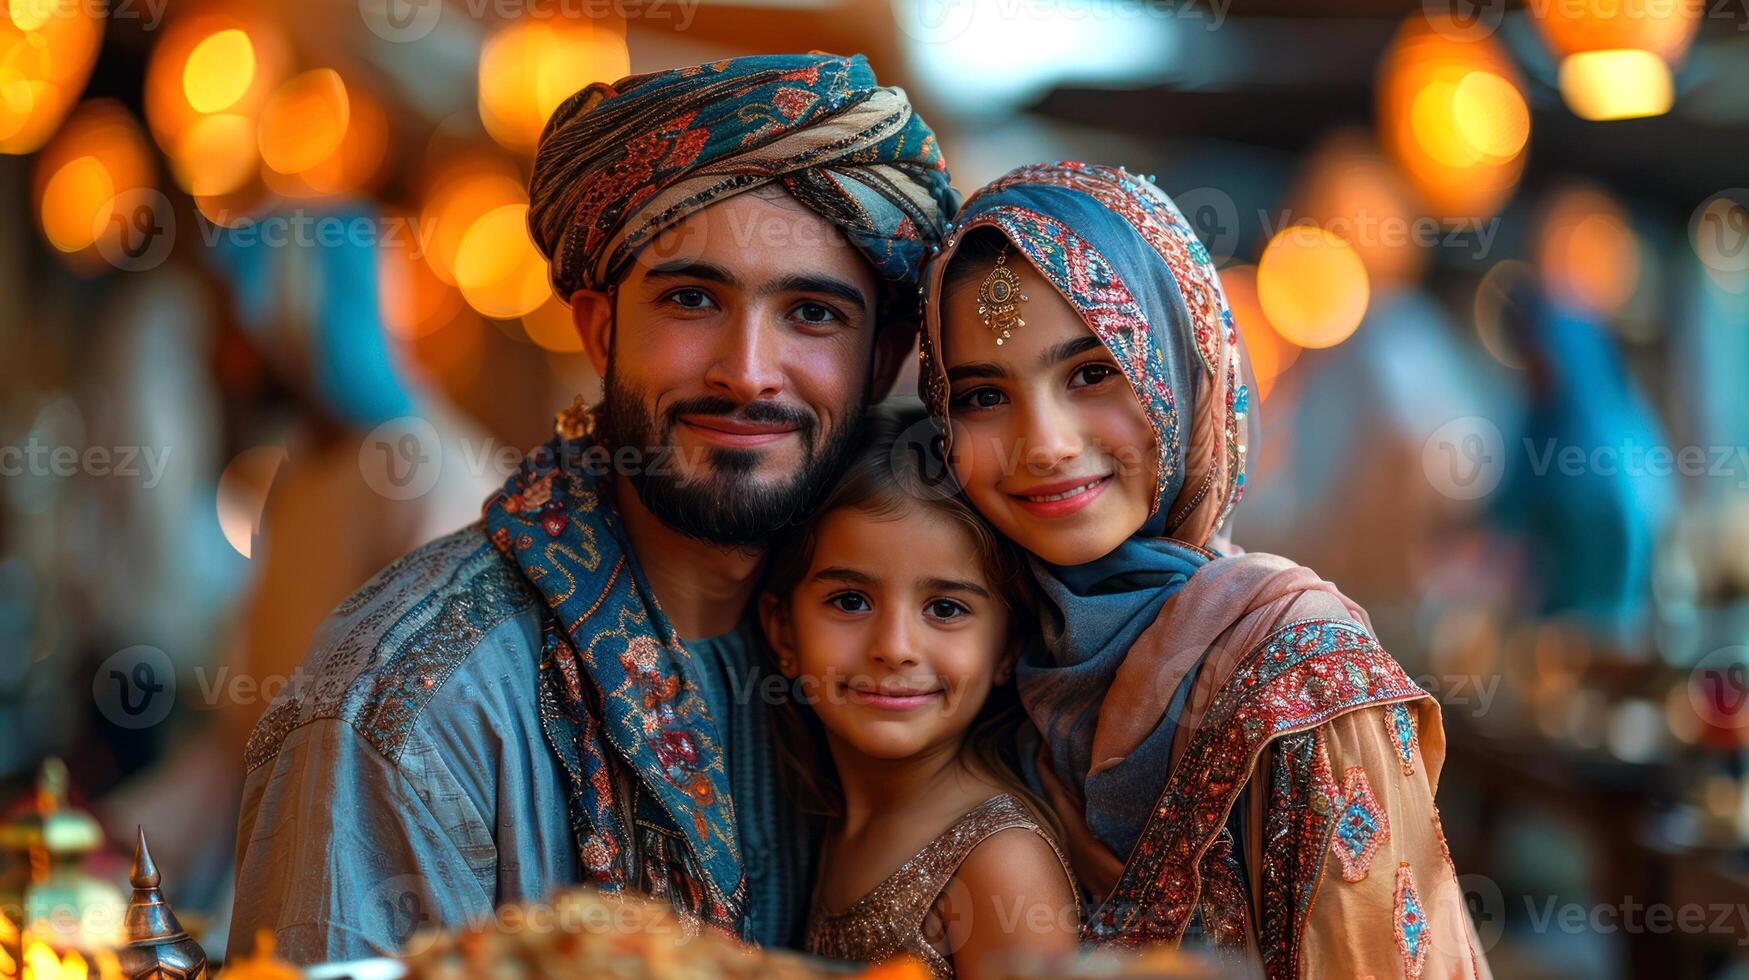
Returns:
(1062, 498)
(893, 698)
(726, 431)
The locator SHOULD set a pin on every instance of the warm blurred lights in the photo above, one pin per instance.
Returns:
(1587, 251)
(1662, 27)
(1312, 286)
(1270, 353)
(1349, 188)
(208, 80)
(97, 156)
(529, 67)
(497, 266)
(47, 48)
(1622, 83)
(1490, 116)
(215, 155)
(551, 327)
(305, 121)
(1452, 115)
(414, 302)
(460, 193)
(218, 71)
(72, 200)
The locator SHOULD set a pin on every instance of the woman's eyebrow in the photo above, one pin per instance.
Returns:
(976, 369)
(1058, 353)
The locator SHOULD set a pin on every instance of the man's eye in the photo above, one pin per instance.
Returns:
(816, 313)
(947, 609)
(849, 602)
(979, 398)
(691, 299)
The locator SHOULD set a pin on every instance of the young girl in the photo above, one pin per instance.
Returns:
(891, 613)
(1231, 754)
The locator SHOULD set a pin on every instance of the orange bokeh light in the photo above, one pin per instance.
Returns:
(529, 67)
(1312, 286)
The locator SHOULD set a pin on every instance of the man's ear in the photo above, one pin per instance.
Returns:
(592, 315)
(779, 632)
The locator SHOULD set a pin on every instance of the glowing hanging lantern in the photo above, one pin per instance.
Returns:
(529, 67)
(1616, 57)
(1620, 83)
(1453, 117)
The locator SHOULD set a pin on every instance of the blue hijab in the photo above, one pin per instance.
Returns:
(1122, 255)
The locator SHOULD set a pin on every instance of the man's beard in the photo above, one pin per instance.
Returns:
(722, 503)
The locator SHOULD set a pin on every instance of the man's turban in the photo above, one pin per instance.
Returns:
(618, 164)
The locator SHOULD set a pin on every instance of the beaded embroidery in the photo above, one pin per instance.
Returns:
(1303, 675)
(1400, 725)
(1362, 826)
(1410, 925)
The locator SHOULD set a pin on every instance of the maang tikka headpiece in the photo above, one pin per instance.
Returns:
(999, 298)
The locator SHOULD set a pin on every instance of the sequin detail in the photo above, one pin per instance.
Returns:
(890, 919)
(1400, 725)
(1362, 826)
(1298, 827)
(1410, 923)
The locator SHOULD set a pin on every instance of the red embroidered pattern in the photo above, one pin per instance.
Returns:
(1362, 826)
(1410, 920)
(1305, 674)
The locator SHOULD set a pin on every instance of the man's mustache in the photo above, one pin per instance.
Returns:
(761, 412)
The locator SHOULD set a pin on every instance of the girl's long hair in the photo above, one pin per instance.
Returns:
(899, 467)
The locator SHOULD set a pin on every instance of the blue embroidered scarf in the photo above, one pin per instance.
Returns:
(616, 679)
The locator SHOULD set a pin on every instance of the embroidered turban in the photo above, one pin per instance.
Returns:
(618, 164)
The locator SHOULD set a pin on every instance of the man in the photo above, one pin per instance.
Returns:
(564, 691)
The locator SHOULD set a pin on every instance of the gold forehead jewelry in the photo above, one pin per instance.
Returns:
(999, 299)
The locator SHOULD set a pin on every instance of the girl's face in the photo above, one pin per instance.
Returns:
(1050, 443)
(894, 633)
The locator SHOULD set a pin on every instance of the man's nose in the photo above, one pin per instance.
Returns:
(748, 361)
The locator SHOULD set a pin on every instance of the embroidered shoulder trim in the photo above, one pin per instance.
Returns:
(1303, 675)
(386, 650)
(1363, 826)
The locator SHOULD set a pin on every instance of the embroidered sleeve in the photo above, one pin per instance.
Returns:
(1387, 902)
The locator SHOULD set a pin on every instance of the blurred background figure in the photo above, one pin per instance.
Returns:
(273, 318)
